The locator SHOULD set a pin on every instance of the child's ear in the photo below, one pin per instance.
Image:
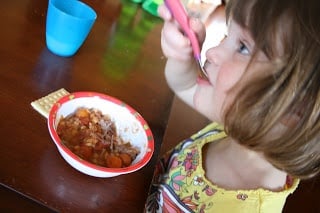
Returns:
(290, 120)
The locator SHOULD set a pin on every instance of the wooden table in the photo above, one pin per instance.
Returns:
(121, 58)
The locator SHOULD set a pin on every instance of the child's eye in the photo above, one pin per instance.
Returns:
(243, 49)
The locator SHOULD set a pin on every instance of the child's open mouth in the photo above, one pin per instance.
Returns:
(203, 79)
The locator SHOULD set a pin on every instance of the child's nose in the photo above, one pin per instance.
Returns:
(213, 55)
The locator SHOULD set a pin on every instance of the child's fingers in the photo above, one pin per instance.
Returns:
(174, 43)
(199, 28)
(174, 35)
(164, 12)
(181, 54)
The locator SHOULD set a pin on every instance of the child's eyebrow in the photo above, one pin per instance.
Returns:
(246, 35)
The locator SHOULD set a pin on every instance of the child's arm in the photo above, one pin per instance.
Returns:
(181, 69)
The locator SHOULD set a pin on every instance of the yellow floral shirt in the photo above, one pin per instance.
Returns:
(180, 185)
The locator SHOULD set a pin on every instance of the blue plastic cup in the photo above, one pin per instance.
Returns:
(68, 25)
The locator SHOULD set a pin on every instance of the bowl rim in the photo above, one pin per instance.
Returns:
(85, 94)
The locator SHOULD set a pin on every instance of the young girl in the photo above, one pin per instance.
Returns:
(262, 94)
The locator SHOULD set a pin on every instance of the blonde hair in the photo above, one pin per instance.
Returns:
(288, 32)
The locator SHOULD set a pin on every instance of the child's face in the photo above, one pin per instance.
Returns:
(225, 65)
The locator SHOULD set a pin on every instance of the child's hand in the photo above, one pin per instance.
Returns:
(174, 43)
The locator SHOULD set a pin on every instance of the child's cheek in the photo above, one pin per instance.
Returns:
(228, 77)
